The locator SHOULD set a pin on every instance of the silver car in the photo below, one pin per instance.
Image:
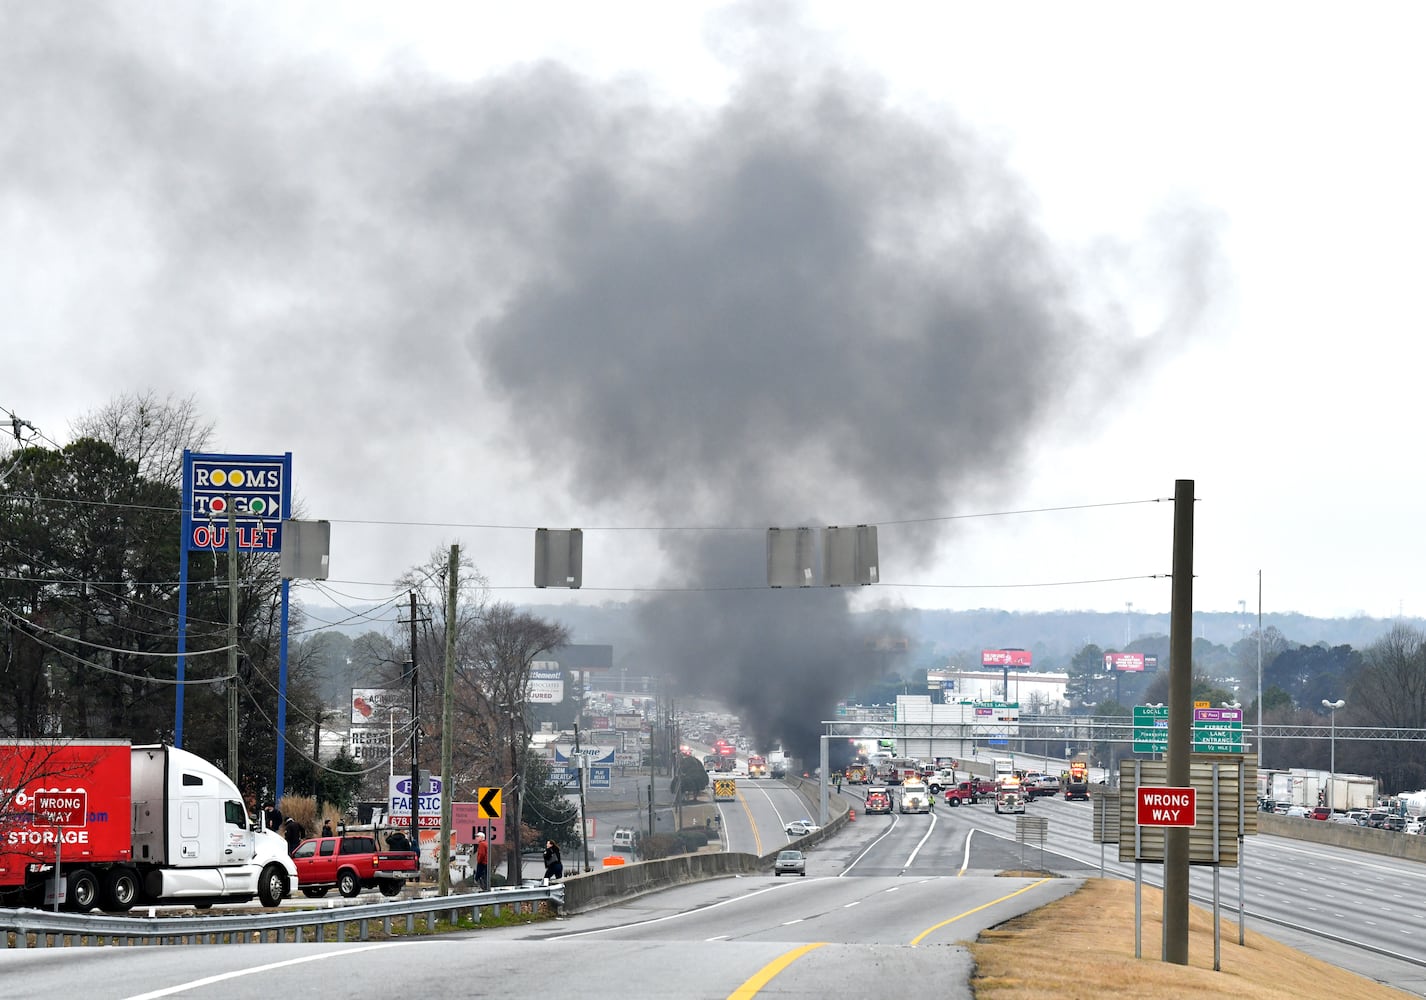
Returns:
(791, 863)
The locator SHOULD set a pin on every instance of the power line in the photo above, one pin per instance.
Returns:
(120, 673)
(493, 526)
(25, 622)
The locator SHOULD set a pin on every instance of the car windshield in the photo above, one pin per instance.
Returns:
(789, 856)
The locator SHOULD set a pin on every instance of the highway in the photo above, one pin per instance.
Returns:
(1359, 911)
(796, 939)
(898, 894)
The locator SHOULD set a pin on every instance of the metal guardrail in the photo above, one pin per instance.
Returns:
(51, 929)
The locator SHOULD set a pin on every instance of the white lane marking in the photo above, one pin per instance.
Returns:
(854, 902)
(965, 857)
(867, 850)
(684, 913)
(720, 937)
(236, 973)
(781, 823)
(921, 843)
(789, 923)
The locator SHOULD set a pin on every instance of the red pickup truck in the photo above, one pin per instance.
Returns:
(351, 864)
(970, 792)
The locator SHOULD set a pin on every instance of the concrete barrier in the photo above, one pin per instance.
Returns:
(592, 890)
(1407, 846)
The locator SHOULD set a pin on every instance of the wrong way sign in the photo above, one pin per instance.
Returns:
(1165, 805)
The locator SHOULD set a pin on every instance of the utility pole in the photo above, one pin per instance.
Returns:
(415, 743)
(316, 764)
(583, 823)
(515, 868)
(1180, 735)
(233, 644)
(447, 715)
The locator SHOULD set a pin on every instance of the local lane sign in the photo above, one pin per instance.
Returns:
(1215, 730)
(1165, 805)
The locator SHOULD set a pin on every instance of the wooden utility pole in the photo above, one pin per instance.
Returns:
(447, 716)
(415, 743)
(1180, 735)
(233, 644)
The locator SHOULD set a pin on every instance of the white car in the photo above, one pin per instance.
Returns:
(801, 827)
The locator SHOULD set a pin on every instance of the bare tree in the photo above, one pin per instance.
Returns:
(496, 685)
(149, 431)
(1389, 687)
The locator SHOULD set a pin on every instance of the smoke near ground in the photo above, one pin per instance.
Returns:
(804, 306)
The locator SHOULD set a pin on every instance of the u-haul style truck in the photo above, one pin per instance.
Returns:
(128, 825)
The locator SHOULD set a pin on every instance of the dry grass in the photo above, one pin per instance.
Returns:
(1083, 946)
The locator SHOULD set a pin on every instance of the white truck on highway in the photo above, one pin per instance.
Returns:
(915, 797)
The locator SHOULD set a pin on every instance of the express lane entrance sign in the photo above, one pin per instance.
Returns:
(1165, 805)
(1215, 730)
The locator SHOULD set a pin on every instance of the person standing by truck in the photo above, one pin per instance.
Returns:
(294, 833)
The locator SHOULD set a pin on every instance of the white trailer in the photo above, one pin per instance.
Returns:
(1310, 788)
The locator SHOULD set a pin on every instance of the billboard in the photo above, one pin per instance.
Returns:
(1129, 662)
(546, 683)
(375, 704)
(1005, 658)
(256, 489)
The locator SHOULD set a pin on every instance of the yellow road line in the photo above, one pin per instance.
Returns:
(935, 927)
(764, 975)
(757, 840)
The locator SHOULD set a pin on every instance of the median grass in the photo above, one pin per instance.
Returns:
(1082, 946)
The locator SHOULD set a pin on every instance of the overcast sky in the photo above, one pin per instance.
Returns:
(638, 267)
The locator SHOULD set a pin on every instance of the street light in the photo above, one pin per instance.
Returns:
(1332, 775)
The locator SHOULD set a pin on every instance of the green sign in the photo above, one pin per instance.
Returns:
(1214, 730)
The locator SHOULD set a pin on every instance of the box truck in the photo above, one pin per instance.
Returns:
(113, 825)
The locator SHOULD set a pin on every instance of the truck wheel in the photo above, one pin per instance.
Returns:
(315, 892)
(348, 884)
(82, 892)
(390, 887)
(955, 802)
(121, 889)
(272, 886)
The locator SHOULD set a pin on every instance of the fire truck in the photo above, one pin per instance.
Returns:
(878, 800)
(856, 774)
(757, 766)
(727, 755)
(1077, 781)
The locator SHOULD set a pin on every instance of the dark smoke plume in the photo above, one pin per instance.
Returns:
(805, 306)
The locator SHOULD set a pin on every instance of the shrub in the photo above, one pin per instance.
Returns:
(661, 845)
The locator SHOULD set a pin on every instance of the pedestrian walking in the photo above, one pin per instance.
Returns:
(482, 863)
(554, 865)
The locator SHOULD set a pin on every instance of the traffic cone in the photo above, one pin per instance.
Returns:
(851, 815)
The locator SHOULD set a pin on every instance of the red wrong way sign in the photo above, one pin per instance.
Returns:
(1164, 805)
(61, 808)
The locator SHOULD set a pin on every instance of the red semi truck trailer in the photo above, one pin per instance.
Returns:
(129, 824)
